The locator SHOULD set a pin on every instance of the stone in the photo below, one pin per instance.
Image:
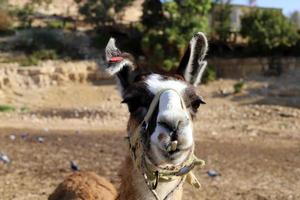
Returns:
(212, 173)
(12, 137)
(4, 158)
(74, 166)
(40, 139)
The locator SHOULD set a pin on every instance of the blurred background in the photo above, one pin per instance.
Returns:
(59, 112)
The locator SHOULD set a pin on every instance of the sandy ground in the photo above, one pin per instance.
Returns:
(252, 139)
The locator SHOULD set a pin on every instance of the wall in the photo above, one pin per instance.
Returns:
(243, 67)
(50, 73)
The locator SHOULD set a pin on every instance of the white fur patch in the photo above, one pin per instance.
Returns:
(193, 43)
(118, 67)
(187, 73)
(111, 50)
(169, 100)
(155, 84)
(200, 71)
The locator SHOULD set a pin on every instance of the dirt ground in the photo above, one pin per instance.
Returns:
(251, 139)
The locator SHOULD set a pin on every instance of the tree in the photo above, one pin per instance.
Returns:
(3, 4)
(268, 29)
(101, 12)
(166, 36)
(5, 19)
(26, 13)
(295, 19)
(152, 13)
(221, 17)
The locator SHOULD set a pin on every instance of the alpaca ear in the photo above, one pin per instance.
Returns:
(121, 65)
(192, 64)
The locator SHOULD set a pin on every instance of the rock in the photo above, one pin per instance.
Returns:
(4, 158)
(212, 173)
(40, 139)
(74, 166)
(12, 137)
(256, 113)
(34, 71)
(214, 133)
(225, 92)
(287, 115)
(253, 133)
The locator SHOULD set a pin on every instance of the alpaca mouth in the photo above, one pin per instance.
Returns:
(177, 151)
(173, 154)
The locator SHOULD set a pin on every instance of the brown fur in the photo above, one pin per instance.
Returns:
(126, 191)
(84, 186)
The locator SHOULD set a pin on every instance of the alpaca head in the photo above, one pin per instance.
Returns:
(168, 139)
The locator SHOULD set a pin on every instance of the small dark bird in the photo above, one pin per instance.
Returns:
(24, 136)
(74, 166)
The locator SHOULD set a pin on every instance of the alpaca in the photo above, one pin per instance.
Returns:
(160, 129)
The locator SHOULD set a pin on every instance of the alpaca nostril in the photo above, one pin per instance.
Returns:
(174, 136)
(161, 137)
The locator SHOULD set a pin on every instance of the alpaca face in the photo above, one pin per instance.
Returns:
(169, 134)
(171, 123)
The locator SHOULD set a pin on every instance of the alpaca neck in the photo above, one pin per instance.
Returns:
(133, 186)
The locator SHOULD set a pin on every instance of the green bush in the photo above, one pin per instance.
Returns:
(3, 4)
(25, 15)
(50, 42)
(268, 29)
(38, 39)
(55, 24)
(60, 24)
(24, 109)
(239, 86)
(28, 61)
(45, 54)
(6, 108)
(210, 74)
(101, 13)
(35, 57)
(165, 40)
(100, 40)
